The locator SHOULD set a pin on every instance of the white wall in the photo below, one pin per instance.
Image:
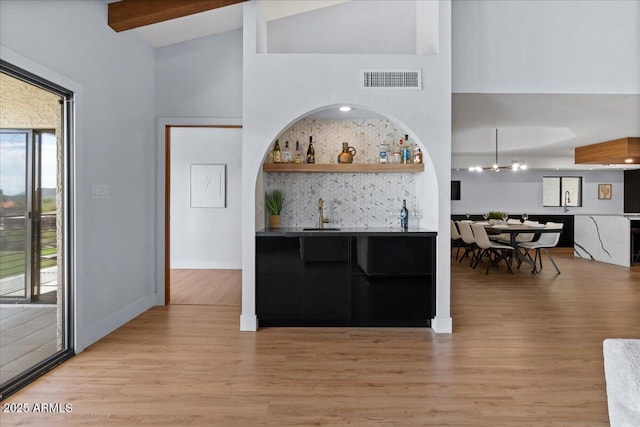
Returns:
(521, 192)
(351, 27)
(532, 46)
(113, 76)
(198, 82)
(205, 237)
(201, 77)
(275, 96)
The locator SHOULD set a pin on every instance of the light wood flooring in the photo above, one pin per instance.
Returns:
(526, 351)
(206, 287)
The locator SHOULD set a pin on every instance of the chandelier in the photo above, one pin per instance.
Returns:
(515, 166)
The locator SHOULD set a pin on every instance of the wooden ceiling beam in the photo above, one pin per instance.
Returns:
(128, 14)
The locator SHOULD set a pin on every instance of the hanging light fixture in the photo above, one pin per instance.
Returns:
(515, 166)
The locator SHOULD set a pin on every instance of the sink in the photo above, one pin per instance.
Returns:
(320, 229)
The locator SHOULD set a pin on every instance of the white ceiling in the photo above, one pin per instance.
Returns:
(542, 126)
(531, 124)
(222, 20)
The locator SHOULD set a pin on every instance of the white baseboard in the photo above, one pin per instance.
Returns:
(248, 322)
(442, 325)
(205, 265)
(97, 331)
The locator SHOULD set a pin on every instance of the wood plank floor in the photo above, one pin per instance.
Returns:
(206, 287)
(526, 351)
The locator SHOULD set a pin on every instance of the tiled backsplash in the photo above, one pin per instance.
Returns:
(350, 199)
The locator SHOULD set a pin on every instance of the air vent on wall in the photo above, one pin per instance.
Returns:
(410, 79)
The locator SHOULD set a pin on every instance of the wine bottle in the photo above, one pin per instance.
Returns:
(404, 216)
(311, 152)
(277, 154)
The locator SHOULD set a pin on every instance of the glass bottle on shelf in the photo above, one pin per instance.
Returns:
(406, 150)
(277, 153)
(287, 157)
(396, 153)
(417, 155)
(298, 159)
(383, 152)
(311, 152)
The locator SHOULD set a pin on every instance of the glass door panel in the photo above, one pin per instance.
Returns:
(14, 225)
(44, 281)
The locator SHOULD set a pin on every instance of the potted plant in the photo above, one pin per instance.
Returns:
(274, 202)
(495, 217)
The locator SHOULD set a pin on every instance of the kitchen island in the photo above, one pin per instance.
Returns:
(605, 238)
(345, 277)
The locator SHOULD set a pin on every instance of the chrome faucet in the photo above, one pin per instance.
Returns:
(567, 200)
(321, 220)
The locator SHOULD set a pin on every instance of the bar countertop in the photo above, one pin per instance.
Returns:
(342, 231)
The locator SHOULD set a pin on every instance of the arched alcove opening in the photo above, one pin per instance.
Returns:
(352, 199)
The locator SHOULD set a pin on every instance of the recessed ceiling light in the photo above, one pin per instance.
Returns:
(628, 160)
(345, 108)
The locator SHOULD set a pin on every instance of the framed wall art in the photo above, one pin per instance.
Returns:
(604, 191)
(208, 186)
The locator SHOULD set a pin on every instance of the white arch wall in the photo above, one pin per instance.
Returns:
(279, 89)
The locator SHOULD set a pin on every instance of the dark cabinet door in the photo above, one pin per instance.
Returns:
(326, 278)
(279, 293)
(387, 299)
(392, 281)
(326, 291)
(396, 255)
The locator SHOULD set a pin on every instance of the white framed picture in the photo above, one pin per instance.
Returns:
(208, 186)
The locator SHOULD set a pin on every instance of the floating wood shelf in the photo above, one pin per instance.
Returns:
(342, 168)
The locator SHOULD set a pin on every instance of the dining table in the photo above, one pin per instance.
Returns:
(513, 230)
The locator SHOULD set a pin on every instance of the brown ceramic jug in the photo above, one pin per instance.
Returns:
(347, 153)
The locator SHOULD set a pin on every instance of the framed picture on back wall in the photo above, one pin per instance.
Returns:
(604, 191)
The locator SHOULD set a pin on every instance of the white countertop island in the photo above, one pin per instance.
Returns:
(604, 238)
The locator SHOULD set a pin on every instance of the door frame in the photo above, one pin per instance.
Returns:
(164, 130)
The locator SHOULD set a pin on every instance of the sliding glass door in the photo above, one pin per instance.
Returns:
(28, 212)
(35, 177)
